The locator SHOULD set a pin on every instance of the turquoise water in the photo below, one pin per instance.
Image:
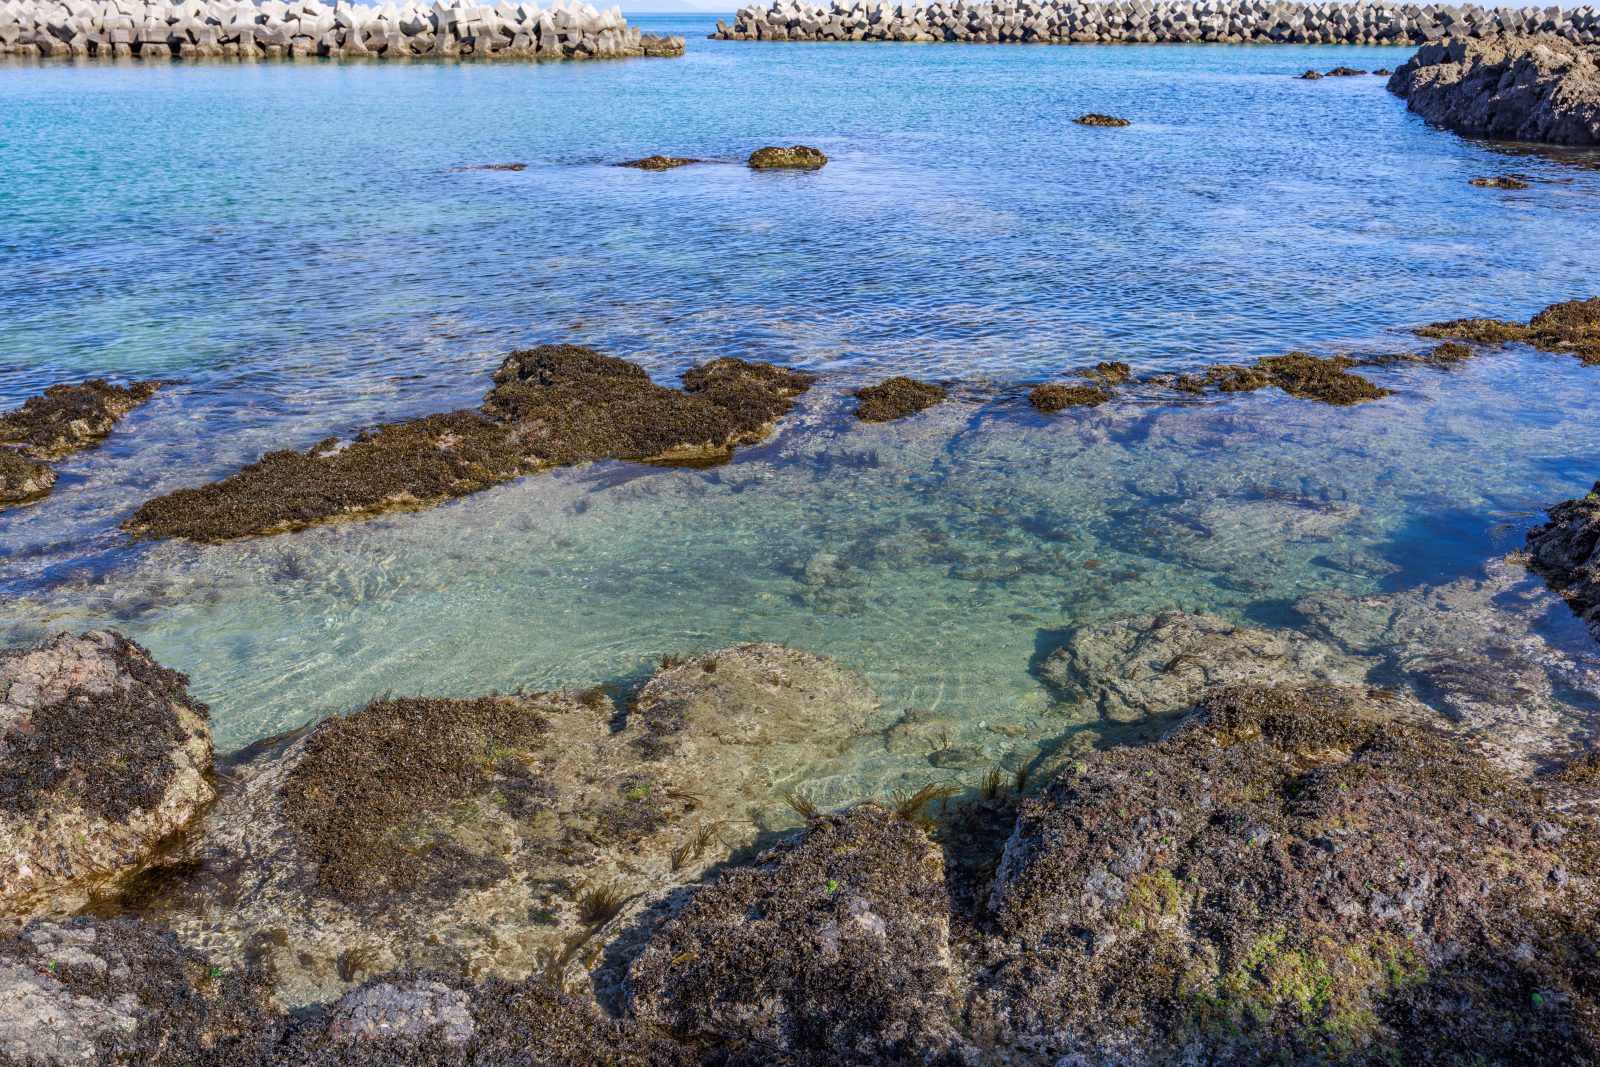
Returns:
(304, 247)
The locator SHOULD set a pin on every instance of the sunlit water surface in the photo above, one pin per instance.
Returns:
(304, 249)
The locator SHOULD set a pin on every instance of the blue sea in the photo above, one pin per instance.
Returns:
(307, 248)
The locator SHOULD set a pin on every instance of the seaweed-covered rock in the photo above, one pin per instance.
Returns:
(658, 163)
(896, 398)
(69, 418)
(1149, 667)
(832, 948)
(1344, 72)
(443, 1020)
(1324, 378)
(1311, 76)
(508, 835)
(1566, 552)
(1052, 397)
(1294, 875)
(103, 754)
(796, 157)
(63, 420)
(1096, 119)
(1523, 87)
(1501, 181)
(1572, 326)
(120, 993)
(550, 406)
(23, 480)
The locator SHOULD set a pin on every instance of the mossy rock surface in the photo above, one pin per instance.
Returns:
(795, 157)
(551, 406)
(23, 480)
(832, 948)
(1502, 182)
(1295, 875)
(897, 398)
(103, 754)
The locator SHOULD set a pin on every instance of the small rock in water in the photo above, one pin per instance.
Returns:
(896, 398)
(1344, 72)
(658, 163)
(1051, 398)
(1500, 183)
(503, 166)
(1096, 119)
(797, 157)
(1310, 76)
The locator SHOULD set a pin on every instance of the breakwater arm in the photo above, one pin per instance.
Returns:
(1144, 21)
(245, 29)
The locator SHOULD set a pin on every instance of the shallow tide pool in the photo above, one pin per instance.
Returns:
(303, 249)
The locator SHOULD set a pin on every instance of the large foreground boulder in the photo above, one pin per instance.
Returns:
(1566, 552)
(121, 993)
(504, 835)
(103, 754)
(1297, 876)
(832, 948)
(1536, 87)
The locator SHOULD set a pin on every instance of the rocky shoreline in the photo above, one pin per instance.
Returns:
(1147, 22)
(224, 29)
(1543, 88)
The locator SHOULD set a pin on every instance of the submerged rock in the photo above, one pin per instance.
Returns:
(1344, 72)
(443, 1020)
(1499, 182)
(832, 948)
(1566, 552)
(1095, 119)
(658, 163)
(1322, 378)
(118, 992)
(1149, 667)
(798, 157)
(63, 420)
(896, 398)
(550, 406)
(1572, 327)
(508, 835)
(1051, 397)
(503, 166)
(103, 754)
(1294, 875)
(1523, 87)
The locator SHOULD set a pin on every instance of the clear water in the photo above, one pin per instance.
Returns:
(302, 246)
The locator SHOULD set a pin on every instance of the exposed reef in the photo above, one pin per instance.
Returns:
(62, 420)
(797, 157)
(510, 835)
(658, 163)
(1566, 552)
(1096, 119)
(1523, 87)
(1052, 397)
(1295, 875)
(1499, 182)
(1571, 327)
(551, 406)
(897, 398)
(103, 754)
(215, 29)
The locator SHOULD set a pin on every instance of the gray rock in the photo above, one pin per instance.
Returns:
(1526, 88)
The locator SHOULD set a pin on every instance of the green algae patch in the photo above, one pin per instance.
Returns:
(1051, 397)
(378, 797)
(550, 406)
(897, 398)
(1293, 875)
(68, 418)
(1326, 379)
(658, 163)
(401, 466)
(796, 157)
